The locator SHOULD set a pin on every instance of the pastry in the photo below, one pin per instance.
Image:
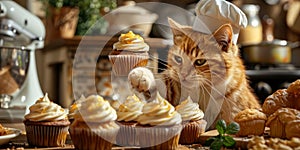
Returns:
(3, 131)
(251, 121)
(159, 126)
(128, 113)
(46, 124)
(129, 52)
(294, 94)
(260, 143)
(278, 99)
(94, 124)
(192, 119)
(292, 128)
(278, 121)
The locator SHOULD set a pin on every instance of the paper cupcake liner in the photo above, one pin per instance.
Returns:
(127, 135)
(93, 139)
(277, 129)
(159, 137)
(123, 64)
(191, 131)
(48, 136)
(254, 127)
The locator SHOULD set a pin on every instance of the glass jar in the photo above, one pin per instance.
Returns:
(253, 33)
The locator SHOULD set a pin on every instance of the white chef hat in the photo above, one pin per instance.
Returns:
(211, 14)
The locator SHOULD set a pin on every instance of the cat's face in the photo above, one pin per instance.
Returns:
(196, 57)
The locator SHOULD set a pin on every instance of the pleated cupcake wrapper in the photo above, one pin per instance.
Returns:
(277, 129)
(123, 64)
(84, 138)
(159, 138)
(46, 136)
(191, 132)
(127, 136)
(254, 127)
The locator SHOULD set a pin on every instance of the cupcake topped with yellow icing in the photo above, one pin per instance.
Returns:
(159, 112)
(95, 109)
(131, 109)
(131, 42)
(46, 120)
(130, 51)
(46, 110)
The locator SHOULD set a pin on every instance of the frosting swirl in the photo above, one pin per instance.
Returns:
(130, 109)
(45, 110)
(74, 107)
(131, 42)
(95, 109)
(159, 112)
(189, 110)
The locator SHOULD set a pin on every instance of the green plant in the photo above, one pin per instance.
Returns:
(90, 21)
(223, 139)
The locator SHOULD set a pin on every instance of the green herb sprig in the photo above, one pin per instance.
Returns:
(223, 139)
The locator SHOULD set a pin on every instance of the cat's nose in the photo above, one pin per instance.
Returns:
(184, 74)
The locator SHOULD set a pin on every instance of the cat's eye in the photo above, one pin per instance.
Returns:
(178, 59)
(199, 62)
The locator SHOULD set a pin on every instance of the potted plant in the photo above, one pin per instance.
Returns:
(89, 14)
(63, 16)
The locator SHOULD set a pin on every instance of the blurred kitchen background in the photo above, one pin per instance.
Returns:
(274, 27)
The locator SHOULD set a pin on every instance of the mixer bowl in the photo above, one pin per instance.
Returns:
(14, 63)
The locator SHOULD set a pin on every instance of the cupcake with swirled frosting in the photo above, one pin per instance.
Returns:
(46, 124)
(94, 125)
(193, 123)
(159, 126)
(128, 52)
(128, 113)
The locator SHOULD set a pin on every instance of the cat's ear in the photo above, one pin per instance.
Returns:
(223, 36)
(176, 30)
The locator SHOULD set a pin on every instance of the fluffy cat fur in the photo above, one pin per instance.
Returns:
(206, 67)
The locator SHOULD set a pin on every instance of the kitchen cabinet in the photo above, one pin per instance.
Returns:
(56, 61)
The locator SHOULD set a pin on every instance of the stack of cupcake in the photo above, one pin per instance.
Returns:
(129, 52)
(46, 124)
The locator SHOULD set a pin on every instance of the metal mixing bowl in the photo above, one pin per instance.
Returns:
(14, 63)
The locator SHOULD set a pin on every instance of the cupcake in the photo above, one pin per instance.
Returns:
(74, 107)
(129, 52)
(251, 121)
(192, 119)
(94, 124)
(279, 120)
(159, 126)
(128, 113)
(46, 124)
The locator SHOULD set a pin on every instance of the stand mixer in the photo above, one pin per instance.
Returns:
(21, 33)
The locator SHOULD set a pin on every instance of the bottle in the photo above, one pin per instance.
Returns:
(253, 33)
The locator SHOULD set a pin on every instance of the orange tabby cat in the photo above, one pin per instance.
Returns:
(206, 67)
